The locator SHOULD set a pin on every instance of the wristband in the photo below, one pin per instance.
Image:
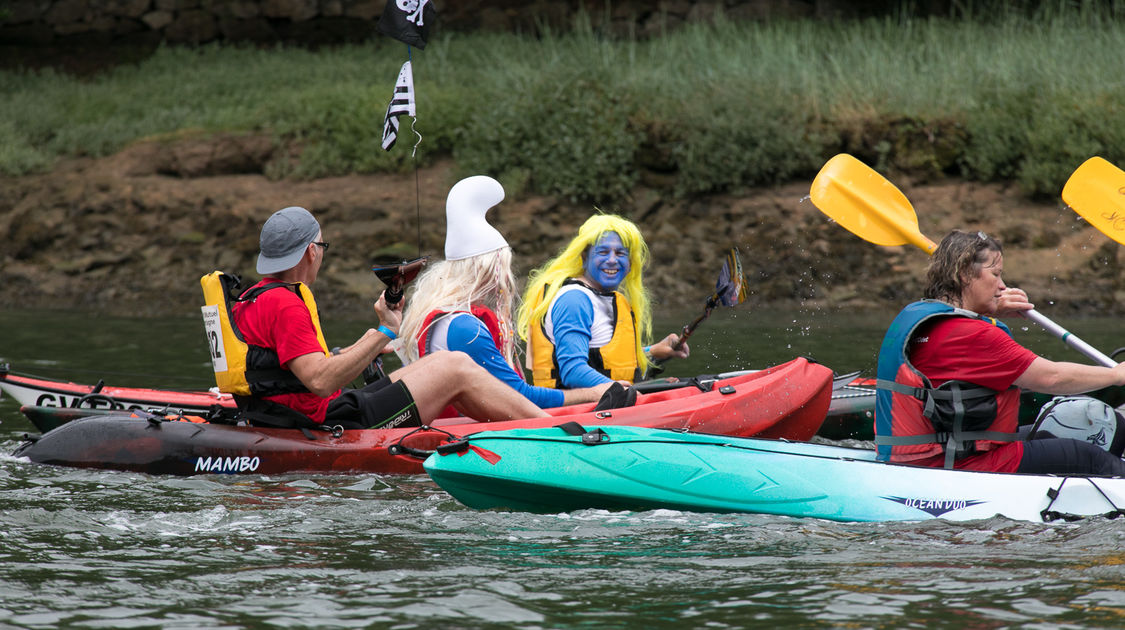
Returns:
(388, 332)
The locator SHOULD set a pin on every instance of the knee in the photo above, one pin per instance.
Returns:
(452, 363)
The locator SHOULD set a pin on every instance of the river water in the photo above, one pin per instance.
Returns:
(97, 549)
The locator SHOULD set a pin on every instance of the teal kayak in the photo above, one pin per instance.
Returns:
(561, 469)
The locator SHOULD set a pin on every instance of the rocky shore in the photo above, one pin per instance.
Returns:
(132, 233)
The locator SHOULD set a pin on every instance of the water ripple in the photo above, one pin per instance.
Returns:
(106, 549)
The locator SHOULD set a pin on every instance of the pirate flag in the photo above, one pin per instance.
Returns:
(408, 21)
(401, 103)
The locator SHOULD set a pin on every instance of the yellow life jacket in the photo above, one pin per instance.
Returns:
(240, 368)
(616, 360)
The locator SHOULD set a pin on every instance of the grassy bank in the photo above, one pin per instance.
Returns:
(707, 108)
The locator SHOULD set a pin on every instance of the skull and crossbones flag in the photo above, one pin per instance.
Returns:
(401, 103)
(408, 21)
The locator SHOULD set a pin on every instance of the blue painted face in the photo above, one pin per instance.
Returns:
(607, 262)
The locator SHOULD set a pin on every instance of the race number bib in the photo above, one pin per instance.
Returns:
(214, 330)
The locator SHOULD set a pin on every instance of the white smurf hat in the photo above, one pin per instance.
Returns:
(467, 233)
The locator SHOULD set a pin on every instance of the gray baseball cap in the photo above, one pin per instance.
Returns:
(285, 236)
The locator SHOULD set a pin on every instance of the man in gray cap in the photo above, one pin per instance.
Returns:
(293, 370)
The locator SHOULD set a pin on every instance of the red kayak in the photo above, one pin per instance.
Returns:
(49, 403)
(33, 391)
(787, 401)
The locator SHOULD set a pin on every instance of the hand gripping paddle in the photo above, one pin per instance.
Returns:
(396, 276)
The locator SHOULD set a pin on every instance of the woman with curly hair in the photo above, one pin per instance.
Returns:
(950, 373)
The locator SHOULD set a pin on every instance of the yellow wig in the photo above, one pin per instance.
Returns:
(570, 264)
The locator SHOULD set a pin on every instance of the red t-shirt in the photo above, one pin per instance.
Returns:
(959, 348)
(968, 350)
(278, 319)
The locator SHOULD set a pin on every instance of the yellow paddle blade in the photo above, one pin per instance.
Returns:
(866, 204)
(1096, 190)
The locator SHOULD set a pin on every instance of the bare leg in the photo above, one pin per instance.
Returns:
(444, 378)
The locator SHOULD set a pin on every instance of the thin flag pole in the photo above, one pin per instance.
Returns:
(417, 186)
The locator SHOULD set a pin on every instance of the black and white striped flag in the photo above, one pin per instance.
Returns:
(401, 103)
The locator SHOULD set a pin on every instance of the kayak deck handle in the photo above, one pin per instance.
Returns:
(459, 446)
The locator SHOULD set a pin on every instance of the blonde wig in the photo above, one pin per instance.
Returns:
(456, 285)
(570, 263)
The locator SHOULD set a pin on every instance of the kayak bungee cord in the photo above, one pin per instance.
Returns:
(218, 418)
(398, 448)
(1050, 515)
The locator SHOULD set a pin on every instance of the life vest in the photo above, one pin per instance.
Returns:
(486, 315)
(915, 420)
(617, 359)
(240, 368)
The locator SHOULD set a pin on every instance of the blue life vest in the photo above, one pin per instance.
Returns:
(959, 412)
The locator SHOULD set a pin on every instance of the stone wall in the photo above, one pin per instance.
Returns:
(43, 22)
(58, 22)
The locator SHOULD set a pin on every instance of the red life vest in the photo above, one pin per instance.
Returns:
(485, 315)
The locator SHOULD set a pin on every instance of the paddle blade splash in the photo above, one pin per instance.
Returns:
(1096, 191)
(866, 204)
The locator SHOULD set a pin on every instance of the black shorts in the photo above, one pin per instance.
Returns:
(1064, 456)
(380, 405)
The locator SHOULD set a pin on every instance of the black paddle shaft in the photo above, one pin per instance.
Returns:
(690, 328)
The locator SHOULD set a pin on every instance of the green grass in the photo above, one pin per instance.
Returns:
(1024, 97)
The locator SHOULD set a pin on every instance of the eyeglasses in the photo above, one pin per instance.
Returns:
(322, 244)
